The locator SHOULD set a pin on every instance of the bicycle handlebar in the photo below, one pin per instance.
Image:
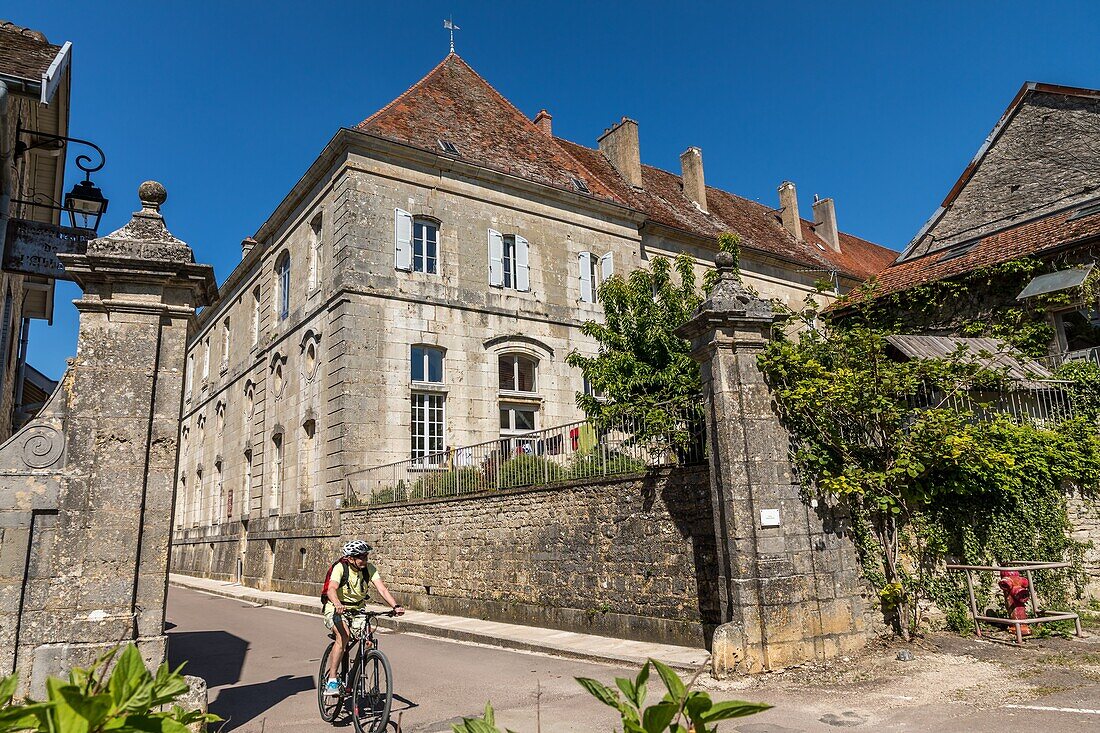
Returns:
(366, 614)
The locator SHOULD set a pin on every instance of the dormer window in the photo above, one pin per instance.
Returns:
(580, 185)
(448, 147)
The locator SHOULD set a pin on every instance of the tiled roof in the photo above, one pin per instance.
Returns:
(662, 199)
(24, 53)
(1029, 238)
(455, 104)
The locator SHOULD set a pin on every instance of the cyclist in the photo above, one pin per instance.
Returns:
(346, 589)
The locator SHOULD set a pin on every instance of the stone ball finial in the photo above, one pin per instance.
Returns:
(725, 261)
(152, 195)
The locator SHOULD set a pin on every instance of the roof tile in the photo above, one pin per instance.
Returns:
(24, 53)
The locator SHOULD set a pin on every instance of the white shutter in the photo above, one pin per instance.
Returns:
(496, 258)
(523, 268)
(607, 267)
(402, 239)
(585, 260)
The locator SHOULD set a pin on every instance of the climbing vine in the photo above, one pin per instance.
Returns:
(924, 483)
(980, 303)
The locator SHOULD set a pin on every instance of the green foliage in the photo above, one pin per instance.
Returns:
(980, 303)
(922, 483)
(525, 470)
(600, 462)
(128, 700)
(643, 370)
(447, 483)
(1084, 387)
(679, 711)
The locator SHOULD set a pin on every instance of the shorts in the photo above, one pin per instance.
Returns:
(330, 622)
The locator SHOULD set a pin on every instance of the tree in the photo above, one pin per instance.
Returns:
(643, 371)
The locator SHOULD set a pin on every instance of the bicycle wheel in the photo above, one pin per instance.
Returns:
(372, 693)
(329, 706)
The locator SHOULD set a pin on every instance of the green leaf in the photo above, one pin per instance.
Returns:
(600, 691)
(74, 711)
(672, 681)
(489, 717)
(656, 718)
(7, 688)
(628, 689)
(130, 684)
(474, 725)
(733, 709)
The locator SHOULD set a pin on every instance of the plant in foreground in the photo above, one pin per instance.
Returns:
(681, 710)
(128, 700)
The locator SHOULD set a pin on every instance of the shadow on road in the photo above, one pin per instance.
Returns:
(216, 656)
(242, 703)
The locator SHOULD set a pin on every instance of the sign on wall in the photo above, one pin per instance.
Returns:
(31, 247)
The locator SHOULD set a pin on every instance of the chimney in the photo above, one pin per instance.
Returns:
(542, 119)
(620, 145)
(246, 246)
(691, 171)
(825, 222)
(788, 202)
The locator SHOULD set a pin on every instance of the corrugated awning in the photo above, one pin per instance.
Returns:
(1054, 282)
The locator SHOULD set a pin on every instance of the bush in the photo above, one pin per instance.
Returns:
(447, 483)
(529, 470)
(597, 462)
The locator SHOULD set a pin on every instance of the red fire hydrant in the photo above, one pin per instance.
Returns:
(1016, 592)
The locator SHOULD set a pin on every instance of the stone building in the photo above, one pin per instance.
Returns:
(419, 289)
(34, 95)
(1031, 191)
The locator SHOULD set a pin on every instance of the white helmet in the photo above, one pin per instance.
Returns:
(356, 547)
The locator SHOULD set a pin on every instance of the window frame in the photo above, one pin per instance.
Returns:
(282, 286)
(421, 225)
(426, 351)
(421, 426)
(516, 356)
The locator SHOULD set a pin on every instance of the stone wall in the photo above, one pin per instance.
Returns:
(1084, 518)
(630, 557)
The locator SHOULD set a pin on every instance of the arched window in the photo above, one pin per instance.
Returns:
(425, 246)
(276, 471)
(519, 403)
(282, 286)
(315, 252)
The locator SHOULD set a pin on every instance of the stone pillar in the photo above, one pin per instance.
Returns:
(87, 487)
(789, 582)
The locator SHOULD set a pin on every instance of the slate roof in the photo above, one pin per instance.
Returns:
(1036, 237)
(454, 103)
(25, 53)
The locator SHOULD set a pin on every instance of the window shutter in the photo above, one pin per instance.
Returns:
(496, 258)
(523, 268)
(402, 239)
(607, 267)
(585, 260)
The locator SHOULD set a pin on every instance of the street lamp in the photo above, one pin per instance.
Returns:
(87, 202)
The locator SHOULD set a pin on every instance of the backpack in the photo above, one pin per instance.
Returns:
(328, 580)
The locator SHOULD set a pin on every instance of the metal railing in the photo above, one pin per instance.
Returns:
(1054, 361)
(1042, 402)
(576, 450)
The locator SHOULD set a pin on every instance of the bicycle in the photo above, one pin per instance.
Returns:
(367, 676)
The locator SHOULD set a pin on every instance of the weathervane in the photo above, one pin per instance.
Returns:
(449, 24)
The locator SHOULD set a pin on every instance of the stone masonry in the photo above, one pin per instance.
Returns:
(86, 488)
(789, 583)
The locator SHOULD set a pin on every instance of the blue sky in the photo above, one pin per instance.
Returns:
(877, 104)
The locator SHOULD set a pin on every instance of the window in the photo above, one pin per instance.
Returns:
(580, 185)
(425, 254)
(246, 484)
(509, 261)
(215, 509)
(197, 517)
(517, 373)
(189, 377)
(427, 364)
(309, 472)
(427, 424)
(276, 471)
(592, 391)
(594, 271)
(315, 252)
(282, 286)
(516, 418)
(448, 147)
(256, 315)
(225, 344)
(206, 359)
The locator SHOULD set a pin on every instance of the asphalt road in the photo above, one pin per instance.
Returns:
(261, 663)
